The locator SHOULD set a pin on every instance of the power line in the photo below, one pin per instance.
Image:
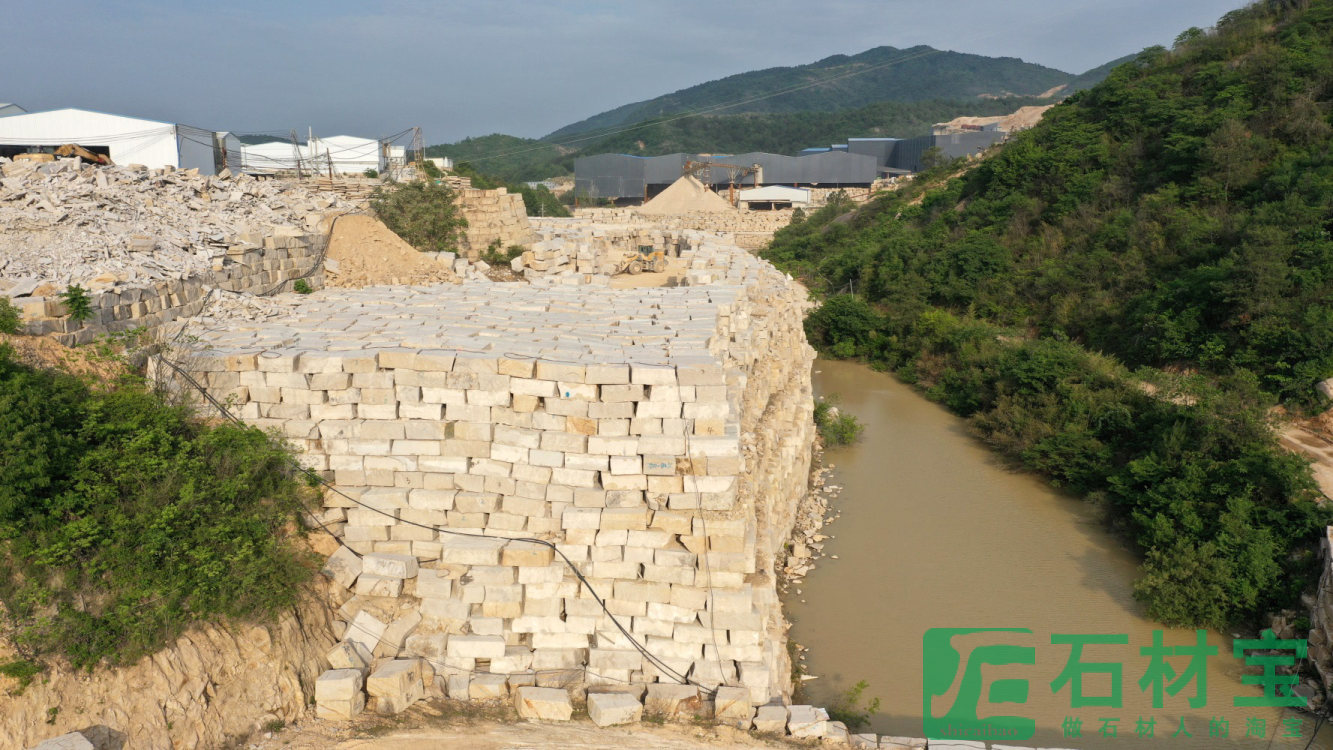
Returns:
(655, 661)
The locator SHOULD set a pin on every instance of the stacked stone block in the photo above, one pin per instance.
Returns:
(493, 216)
(651, 438)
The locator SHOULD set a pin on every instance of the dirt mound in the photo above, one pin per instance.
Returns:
(1022, 119)
(364, 252)
(686, 195)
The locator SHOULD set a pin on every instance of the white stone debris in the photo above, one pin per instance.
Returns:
(67, 222)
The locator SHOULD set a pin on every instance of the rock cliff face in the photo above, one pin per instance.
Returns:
(213, 686)
(1321, 618)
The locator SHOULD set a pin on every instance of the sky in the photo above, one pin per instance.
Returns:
(459, 68)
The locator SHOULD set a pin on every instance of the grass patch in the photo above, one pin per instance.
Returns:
(23, 671)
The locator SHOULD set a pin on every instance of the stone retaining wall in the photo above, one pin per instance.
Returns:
(257, 264)
(659, 438)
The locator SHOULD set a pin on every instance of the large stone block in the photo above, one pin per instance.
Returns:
(672, 701)
(488, 687)
(477, 646)
(343, 567)
(396, 685)
(609, 709)
(771, 719)
(732, 706)
(366, 630)
(338, 693)
(467, 550)
(807, 721)
(71, 741)
(544, 704)
(349, 655)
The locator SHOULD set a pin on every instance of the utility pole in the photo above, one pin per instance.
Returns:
(296, 152)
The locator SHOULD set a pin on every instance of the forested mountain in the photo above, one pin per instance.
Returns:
(1117, 297)
(879, 92)
(842, 82)
(522, 159)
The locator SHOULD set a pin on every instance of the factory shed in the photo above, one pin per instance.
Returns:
(349, 154)
(774, 197)
(126, 140)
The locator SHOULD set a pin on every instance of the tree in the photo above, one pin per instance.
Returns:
(424, 214)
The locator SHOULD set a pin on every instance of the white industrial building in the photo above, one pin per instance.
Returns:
(349, 154)
(10, 108)
(126, 140)
(273, 157)
(773, 197)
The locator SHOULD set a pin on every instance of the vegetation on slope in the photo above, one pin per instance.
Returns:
(509, 158)
(842, 82)
(124, 519)
(425, 214)
(1173, 219)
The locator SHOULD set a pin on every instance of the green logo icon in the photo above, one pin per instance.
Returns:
(944, 667)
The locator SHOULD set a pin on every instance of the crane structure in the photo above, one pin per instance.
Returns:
(736, 174)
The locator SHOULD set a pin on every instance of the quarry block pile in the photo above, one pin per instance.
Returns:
(579, 251)
(148, 244)
(490, 443)
(495, 218)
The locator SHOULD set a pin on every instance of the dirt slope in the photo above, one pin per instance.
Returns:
(365, 253)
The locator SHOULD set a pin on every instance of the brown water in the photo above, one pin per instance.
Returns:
(936, 532)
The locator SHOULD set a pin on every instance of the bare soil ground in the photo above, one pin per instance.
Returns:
(88, 362)
(447, 724)
(1313, 438)
(367, 253)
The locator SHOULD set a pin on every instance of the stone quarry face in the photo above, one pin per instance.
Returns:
(489, 440)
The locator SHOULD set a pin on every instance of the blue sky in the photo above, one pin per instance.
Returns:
(471, 67)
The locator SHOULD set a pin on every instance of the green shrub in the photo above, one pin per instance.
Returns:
(77, 303)
(123, 519)
(422, 213)
(22, 671)
(371, 173)
(301, 286)
(497, 257)
(11, 320)
(835, 426)
(852, 709)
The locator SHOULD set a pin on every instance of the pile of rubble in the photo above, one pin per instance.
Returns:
(66, 222)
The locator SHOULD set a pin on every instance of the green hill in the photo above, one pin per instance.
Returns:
(841, 82)
(789, 132)
(879, 92)
(521, 159)
(1118, 296)
(508, 157)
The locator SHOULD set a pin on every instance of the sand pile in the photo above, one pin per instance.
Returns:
(364, 252)
(686, 195)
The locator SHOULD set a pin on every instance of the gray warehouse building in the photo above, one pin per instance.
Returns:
(857, 164)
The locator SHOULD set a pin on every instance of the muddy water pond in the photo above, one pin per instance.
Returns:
(936, 532)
